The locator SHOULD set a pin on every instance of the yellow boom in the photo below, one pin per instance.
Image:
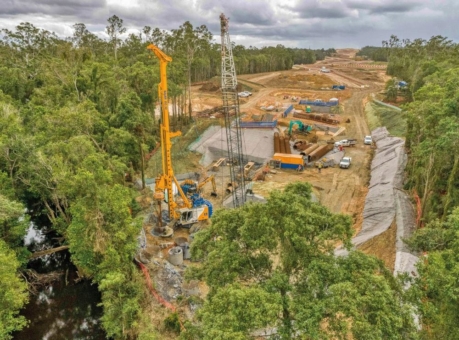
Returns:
(164, 182)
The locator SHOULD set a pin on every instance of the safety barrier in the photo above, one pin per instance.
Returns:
(307, 102)
(257, 125)
(153, 291)
(289, 109)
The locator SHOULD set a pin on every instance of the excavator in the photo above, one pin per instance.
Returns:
(190, 186)
(302, 128)
(183, 211)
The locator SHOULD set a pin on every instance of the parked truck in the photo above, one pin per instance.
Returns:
(345, 162)
(346, 142)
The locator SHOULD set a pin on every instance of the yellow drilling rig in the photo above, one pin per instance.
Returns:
(183, 210)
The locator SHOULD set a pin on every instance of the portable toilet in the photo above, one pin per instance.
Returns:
(308, 109)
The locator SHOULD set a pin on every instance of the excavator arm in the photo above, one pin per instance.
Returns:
(214, 185)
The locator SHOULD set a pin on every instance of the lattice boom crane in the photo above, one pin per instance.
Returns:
(231, 109)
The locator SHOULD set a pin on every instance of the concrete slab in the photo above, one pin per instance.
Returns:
(257, 145)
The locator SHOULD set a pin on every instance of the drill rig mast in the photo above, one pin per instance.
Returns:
(191, 210)
(231, 108)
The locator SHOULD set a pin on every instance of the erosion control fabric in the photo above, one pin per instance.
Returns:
(386, 201)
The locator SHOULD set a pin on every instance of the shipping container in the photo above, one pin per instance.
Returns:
(289, 161)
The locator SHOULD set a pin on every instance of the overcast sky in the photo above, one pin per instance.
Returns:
(293, 23)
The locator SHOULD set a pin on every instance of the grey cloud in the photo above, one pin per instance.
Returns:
(387, 6)
(255, 12)
(305, 23)
(392, 8)
(324, 9)
(52, 7)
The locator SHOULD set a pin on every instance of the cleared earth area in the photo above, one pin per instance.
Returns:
(340, 190)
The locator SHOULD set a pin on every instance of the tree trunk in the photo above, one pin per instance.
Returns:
(286, 319)
(429, 181)
(450, 189)
(142, 164)
(189, 90)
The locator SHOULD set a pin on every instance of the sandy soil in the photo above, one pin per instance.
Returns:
(341, 190)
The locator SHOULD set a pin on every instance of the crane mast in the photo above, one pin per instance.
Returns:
(231, 108)
(190, 210)
(165, 181)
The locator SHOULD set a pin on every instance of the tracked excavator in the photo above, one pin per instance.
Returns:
(190, 186)
(302, 128)
(183, 210)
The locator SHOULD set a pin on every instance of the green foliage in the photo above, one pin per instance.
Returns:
(13, 293)
(235, 310)
(374, 53)
(436, 289)
(431, 69)
(432, 122)
(393, 120)
(13, 226)
(172, 323)
(273, 266)
(391, 91)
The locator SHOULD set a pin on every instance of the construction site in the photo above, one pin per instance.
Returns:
(242, 147)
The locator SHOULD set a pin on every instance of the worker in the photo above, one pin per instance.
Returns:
(319, 167)
(266, 170)
(300, 168)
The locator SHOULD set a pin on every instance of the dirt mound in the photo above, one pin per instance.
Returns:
(312, 81)
(209, 87)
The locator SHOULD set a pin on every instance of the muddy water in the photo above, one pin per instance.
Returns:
(66, 308)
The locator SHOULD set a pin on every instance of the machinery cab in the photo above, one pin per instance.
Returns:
(189, 216)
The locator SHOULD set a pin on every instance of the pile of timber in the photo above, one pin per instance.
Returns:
(317, 117)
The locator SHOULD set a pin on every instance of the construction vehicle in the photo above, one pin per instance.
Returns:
(186, 210)
(302, 128)
(190, 186)
(346, 142)
(345, 162)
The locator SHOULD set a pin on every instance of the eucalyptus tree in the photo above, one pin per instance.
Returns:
(114, 29)
(190, 41)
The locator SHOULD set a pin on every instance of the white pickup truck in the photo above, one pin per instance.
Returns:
(345, 162)
(346, 142)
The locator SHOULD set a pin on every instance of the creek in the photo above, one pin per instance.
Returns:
(68, 307)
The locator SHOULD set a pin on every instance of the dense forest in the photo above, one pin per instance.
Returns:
(374, 53)
(431, 69)
(77, 114)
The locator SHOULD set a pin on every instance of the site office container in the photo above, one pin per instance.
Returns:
(289, 161)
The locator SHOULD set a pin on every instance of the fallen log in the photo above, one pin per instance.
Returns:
(47, 251)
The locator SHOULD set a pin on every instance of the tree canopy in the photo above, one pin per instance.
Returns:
(272, 266)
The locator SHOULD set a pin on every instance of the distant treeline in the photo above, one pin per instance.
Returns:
(268, 59)
(373, 53)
